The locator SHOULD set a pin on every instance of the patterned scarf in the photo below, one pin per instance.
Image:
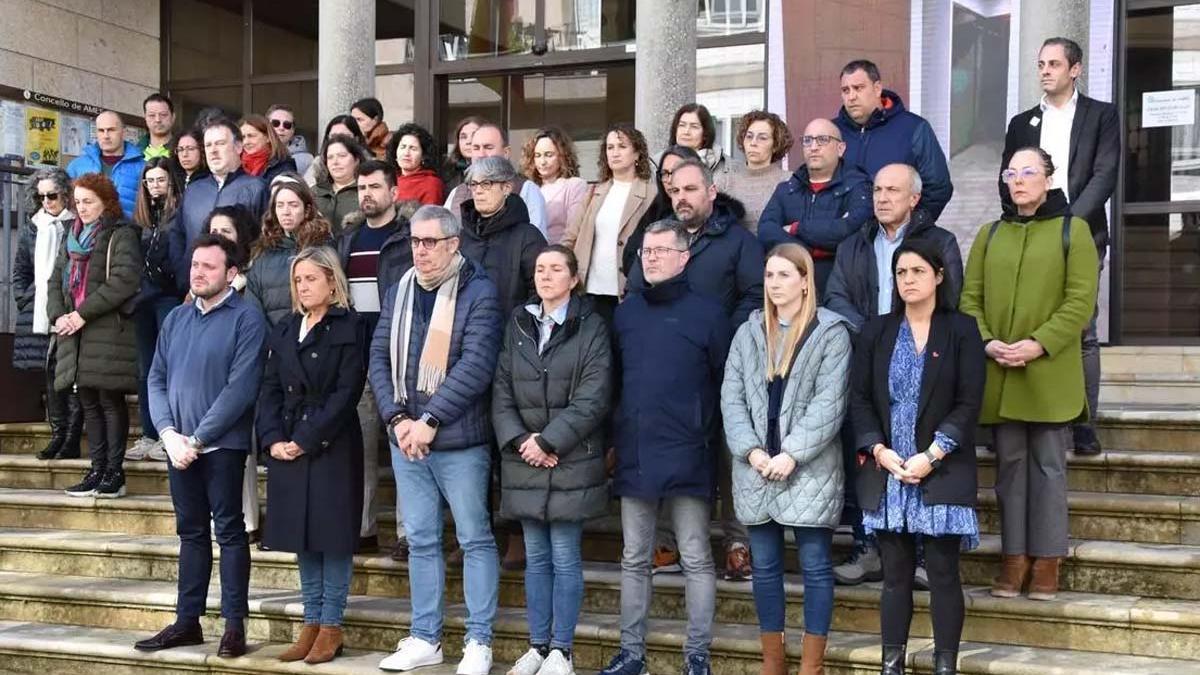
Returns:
(81, 239)
(435, 353)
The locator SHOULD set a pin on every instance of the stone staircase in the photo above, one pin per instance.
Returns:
(81, 579)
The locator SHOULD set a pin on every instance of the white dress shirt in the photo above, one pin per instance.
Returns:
(1056, 139)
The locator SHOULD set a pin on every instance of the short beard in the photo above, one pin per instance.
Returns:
(375, 211)
(210, 292)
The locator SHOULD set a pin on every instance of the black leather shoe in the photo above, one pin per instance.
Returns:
(893, 660)
(170, 637)
(233, 644)
(1085, 441)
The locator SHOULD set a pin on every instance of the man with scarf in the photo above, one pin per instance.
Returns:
(431, 365)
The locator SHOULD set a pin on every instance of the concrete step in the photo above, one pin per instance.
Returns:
(1150, 360)
(1117, 516)
(1113, 624)
(1150, 388)
(1140, 472)
(28, 438)
(1158, 428)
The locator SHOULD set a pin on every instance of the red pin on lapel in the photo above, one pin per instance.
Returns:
(935, 355)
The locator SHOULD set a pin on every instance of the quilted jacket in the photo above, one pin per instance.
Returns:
(814, 403)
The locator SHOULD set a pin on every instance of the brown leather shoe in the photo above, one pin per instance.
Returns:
(327, 646)
(812, 654)
(1012, 576)
(400, 550)
(774, 658)
(303, 644)
(514, 555)
(737, 563)
(666, 561)
(1043, 584)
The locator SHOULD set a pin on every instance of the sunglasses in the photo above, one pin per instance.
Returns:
(282, 123)
(52, 196)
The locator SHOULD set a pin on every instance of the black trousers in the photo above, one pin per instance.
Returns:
(106, 420)
(899, 557)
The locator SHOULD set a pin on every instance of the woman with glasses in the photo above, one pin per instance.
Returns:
(38, 245)
(415, 155)
(164, 283)
(765, 141)
(610, 216)
(189, 156)
(292, 224)
(283, 121)
(1031, 283)
(337, 194)
(549, 160)
(263, 153)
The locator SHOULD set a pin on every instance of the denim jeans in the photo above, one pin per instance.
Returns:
(553, 581)
(461, 478)
(815, 546)
(325, 584)
(148, 320)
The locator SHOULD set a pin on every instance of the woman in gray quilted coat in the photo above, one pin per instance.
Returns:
(783, 401)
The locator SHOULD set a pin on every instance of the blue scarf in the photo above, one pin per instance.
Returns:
(81, 239)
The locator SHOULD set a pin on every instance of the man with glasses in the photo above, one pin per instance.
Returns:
(118, 159)
(159, 113)
(671, 344)
(1083, 137)
(283, 121)
(489, 140)
(226, 184)
(878, 131)
(825, 201)
(432, 360)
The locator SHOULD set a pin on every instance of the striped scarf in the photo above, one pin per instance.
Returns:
(81, 239)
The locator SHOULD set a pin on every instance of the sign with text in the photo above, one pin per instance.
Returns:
(41, 137)
(1168, 108)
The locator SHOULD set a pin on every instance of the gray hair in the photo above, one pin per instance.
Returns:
(62, 183)
(447, 221)
(495, 169)
(915, 184)
(705, 172)
(674, 227)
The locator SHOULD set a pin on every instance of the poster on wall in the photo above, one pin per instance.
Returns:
(76, 133)
(12, 130)
(41, 137)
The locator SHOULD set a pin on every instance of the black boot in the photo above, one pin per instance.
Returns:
(945, 663)
(57, 416)
(893, 660)
(73, 436)
(58, 436)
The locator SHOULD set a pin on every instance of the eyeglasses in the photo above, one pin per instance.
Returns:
(282, 123)
(820, 141)
(52, 196)
(1009, 175)
(657, 251)
(428, 243)
(160, 180)
(761, 138)
(476, 186)
(179, 150)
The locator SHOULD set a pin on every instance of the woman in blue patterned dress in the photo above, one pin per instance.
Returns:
(917, 384)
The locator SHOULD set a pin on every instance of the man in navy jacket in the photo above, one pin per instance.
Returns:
(225, 184)
(203, 385)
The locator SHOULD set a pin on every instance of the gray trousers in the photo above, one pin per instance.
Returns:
(1031, 487)
(689, 515)
(1091, 362)
(735, 531)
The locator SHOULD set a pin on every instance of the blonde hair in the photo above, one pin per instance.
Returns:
(326, 259)
(798, 256)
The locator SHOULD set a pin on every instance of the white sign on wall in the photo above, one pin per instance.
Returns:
(1168, 108)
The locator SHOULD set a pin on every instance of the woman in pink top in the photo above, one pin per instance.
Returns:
(549, 160)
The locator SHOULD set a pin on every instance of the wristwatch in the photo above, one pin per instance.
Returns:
(430, 420)
(933, 460)
(194, 443)
(397, 419)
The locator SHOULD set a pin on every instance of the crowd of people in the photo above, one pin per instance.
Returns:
(803, 350)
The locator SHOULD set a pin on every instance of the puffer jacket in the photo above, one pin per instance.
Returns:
(103, 355)
(814, 405)
(126, 175)
(335, 205)
(268, 281)
(30, 349)
(564, 395)
(507, 245)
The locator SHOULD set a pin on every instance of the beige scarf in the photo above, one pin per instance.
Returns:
(435, 353)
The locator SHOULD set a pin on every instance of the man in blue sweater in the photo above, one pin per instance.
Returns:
(203, 385)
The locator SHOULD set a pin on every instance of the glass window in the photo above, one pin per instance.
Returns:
(471, 28)
(301, 96)
(285, 37)
(395, 24)
(189, 102)
(1161, 264)
(727, 17)
(587, 24)
(206, 39)
(730, 82)
(395, 92)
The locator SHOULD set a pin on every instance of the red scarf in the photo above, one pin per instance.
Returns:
(255, 163)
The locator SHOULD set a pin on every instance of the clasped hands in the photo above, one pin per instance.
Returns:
(68, 324)
(911, 472)
(179, 451)
(778, 467)
(534, 456)
(286, 451)
(413, 438)
(1017, 355)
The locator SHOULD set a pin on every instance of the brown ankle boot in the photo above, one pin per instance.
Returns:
(304, 643)
(514, 555)
(328, 645)
(812, 654)
(1012, 576)
(774, 658)
(1043, 585)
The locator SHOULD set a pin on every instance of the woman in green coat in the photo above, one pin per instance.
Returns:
(1031, 284)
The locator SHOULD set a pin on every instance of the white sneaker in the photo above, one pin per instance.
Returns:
(530, 663)
(413, 652)
(476, 660)
(138, 451)
(157, 452)
(557, 664)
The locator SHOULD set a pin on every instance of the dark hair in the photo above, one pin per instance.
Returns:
(224, 122)
(1072, 49)
(372, 165)
(370, 106)
(682, 152)
(864, 65)
(313, 231)
(566, 252)
(456, 156)
(349, 122)
(930, 252)
(706, 121)
(492, 125)
(207, 239)
(568, 160)
(430, 157)
(157, 97)
(105, 190)
(1047, 161)
(781, 136)
(635, 137)
(281, 106)
(277, 149)
(142, 207)
(244, 223)
(195, 135)
(205, 115)
(349, 142)
(706, 173)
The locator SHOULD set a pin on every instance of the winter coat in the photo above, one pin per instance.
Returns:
(581, 233)
(826, 218)
(126, 175)
(726, 263)
(810, 420)
(278, 167)
(166, 267)
(269, 280)
(309, 396)
(460, 403)
(1020, 285)
(298, 149)
(893, 135)
(378, 140)
(853, 287)
(30, 349)
(203, 195)
(671, 344)
(423, 186)
(507, 245)
(335, 205)
(103, 355)
(395, 258)
(563, 394)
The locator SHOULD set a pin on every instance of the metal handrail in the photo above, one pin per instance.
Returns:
(13, 213)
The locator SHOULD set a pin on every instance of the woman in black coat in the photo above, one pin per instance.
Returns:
(552, 393)
(308, 419)
(916, 390)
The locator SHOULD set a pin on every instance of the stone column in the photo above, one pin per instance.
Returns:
(665, 66)
(1051, 18)
(346, 58)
